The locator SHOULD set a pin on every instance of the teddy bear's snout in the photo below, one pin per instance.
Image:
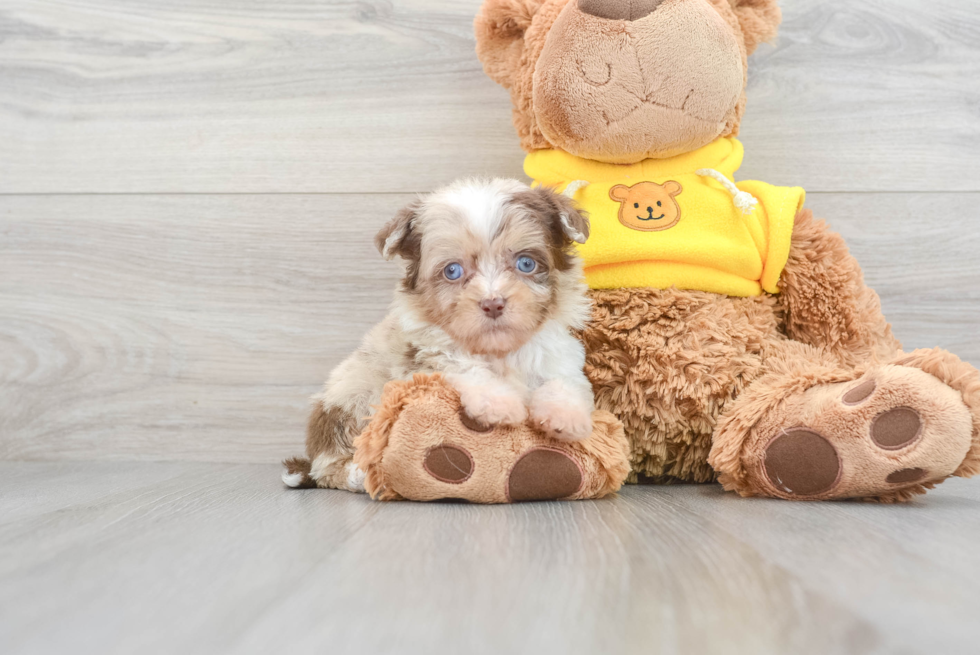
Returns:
(619, 9)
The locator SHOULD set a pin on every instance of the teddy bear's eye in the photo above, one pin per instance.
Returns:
(658, 203)
(636, 204)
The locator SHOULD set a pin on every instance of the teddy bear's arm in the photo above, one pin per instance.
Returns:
(824, 299)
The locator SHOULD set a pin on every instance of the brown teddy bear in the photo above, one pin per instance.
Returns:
(733, 334)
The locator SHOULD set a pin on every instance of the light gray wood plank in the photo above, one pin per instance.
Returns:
(858, 550)
(162, 318)
(918, 251)
(868, 95)
(195, 327)
(205, 558)
(246, 95)
(314, 96)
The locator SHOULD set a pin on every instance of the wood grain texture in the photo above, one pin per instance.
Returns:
(246, 95)
(199, 558)
(868, 95)
(334, 96)
(175, 323)
(195, 327)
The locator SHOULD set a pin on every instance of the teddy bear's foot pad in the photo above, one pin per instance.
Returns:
(896, 428)
(802, 462)
(543, 474)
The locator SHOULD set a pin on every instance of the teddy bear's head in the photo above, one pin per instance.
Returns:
(620, 81)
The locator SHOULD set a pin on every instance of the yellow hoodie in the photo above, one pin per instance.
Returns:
(677, 222)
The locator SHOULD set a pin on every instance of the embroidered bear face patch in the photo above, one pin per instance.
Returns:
(648, 206)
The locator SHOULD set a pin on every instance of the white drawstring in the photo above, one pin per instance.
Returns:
(573, 188)
(743, 199)
(570, 192)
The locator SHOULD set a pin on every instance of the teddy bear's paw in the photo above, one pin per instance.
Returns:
(560, 420)
(491, 406)
(888, 435)
(543, 474)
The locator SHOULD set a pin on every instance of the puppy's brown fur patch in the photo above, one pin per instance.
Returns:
(295, 465)
(401, 237)
(548, 208)
(329, 430)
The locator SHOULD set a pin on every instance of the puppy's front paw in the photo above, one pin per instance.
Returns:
(490, 407)
(560, 420)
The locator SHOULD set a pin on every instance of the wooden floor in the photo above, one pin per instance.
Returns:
(188, 195)
(214, 558)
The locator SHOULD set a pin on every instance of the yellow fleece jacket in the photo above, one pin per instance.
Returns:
(660, 224)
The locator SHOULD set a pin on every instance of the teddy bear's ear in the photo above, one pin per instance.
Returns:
(759, 19)
(672, 187)
(500, 27)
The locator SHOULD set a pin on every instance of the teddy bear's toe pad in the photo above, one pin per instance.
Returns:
(906, 476)
(448, 464)
(896, 428)
(543, 474)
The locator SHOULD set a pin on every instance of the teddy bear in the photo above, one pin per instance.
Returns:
(733, 333)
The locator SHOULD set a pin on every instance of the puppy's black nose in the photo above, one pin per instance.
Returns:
(493, 307)
(619, 9)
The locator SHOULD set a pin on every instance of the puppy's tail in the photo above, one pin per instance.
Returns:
(296, 473)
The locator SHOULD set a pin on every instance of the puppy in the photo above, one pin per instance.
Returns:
(491, 292)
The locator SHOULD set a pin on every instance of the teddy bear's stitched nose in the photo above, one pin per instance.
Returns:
(619, 9)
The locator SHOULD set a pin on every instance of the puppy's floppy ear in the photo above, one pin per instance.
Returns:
(759, 19)
(565, 222)
(574, 221)
(399, 236)
(500, 27)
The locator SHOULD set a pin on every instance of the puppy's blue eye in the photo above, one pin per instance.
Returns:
(453, 271)
(526, 264)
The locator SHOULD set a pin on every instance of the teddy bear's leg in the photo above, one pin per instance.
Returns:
(825, 301)
(813, 430)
